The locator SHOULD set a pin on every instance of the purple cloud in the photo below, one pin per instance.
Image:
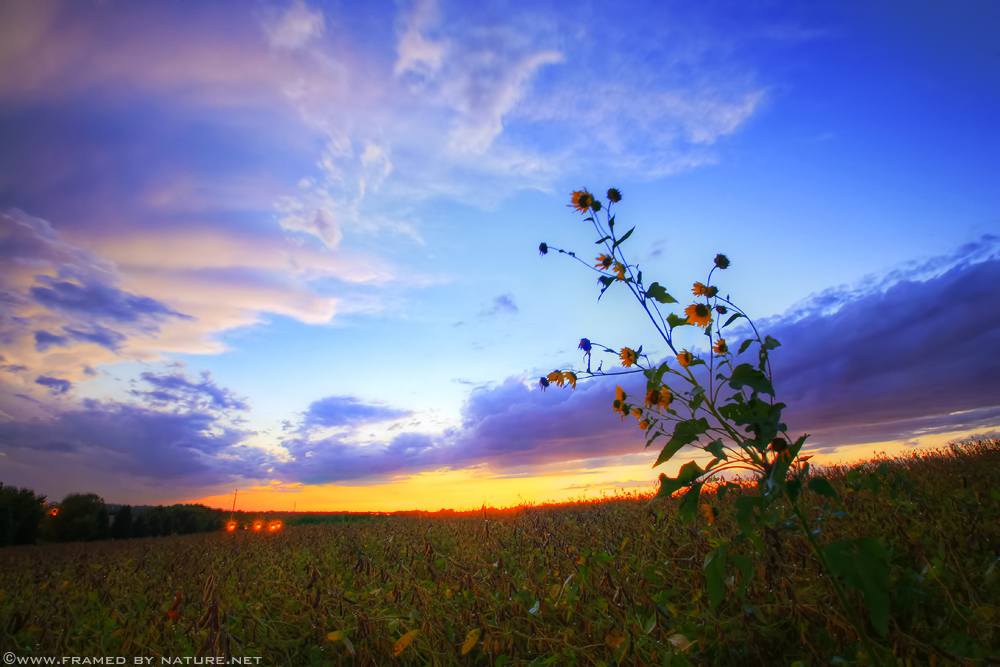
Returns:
(55, 385)
(347, 411)
(98, 301)
(44, 340)
(177, 389)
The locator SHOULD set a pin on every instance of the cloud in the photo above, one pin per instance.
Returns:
(347, 411)
(296, 27)
(96, 301)
(177, 390)
(55, 385)
(501, 304)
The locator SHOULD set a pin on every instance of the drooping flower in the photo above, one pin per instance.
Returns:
(619, 270)
(557, 377)
(543, 249)
(543, 383)
(720, 346)
(721, 310)
(699, 314)
(721, 261)
(614, 196)
(619, 404)
(582, 201)
(684, 358)
(585, 345)
(637, 413)
(659, 397)
(643, 424)
(603, 262)
(570, 377)
(627, 356)
(699, 289)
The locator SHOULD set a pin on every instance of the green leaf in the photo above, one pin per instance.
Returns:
(715, 449)
(822, 486)
(770, 343)
(863, 564)
(746, 375)
(688, 473)
(654, 376)
(745, 565)
(732, 318)
(622, 239)
(607, 281)
(685, 433)
(653, 437)
(745, 344)
(600, 241)
(715, 574)
(689, 503)
(657, 291)
(793, 488)
(675, 321)
(726, 488)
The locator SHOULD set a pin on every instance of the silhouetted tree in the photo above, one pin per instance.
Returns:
(81, 517)
(21, 512)
(140, 527)
(121, 528)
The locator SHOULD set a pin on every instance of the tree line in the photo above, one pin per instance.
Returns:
(26, 518)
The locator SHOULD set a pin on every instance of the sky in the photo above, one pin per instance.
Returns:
(291, 248)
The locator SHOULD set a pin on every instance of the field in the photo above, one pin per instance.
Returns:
(613, 582)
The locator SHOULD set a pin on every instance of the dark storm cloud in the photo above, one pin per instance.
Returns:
(347, 411)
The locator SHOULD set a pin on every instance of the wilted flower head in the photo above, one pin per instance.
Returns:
(619, 404)
(619, 270)
(614, 195)
(555, 376)
(570, 377)
(543, 249)
(582, 201)
(684, 358)
(699, 314)
(585, 345)
(722, 261)
(543, 383)
(628, 356)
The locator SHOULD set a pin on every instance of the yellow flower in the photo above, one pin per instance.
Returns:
(657, 397)
(684, 358)
(637, 413)
(603, 262)
(582, 201)
(699, 289)
(570, 376)
(720, 346)
(643, 424)
(627, 356)
(619, 404)
(699, 314)
(619, 271)
(557, 377)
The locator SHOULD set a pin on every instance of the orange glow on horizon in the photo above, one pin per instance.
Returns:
(469, 489)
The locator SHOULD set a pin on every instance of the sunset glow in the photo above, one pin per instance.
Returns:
(293, 248)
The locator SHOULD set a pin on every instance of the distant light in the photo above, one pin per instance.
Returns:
(231, 526)
(54, 511)
(274, 525)
(258, 525)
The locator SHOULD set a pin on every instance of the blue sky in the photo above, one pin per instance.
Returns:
(291, 247)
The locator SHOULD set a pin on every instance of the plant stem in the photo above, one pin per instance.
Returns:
(845, 604)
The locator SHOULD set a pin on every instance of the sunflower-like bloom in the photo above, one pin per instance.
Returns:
(585, 345)
(603, 262)
(619, 404)
(659, 397)
(557, 377)
(543, 383)
(582, 201)
(699, 314)
(699, 289)
(570, 377)
(684, 358)
(721, 261)
(619, 270)
(637, 413)
(720, 346)
(614, 196)
(643, 424)
(721, 310)
(628, 356)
